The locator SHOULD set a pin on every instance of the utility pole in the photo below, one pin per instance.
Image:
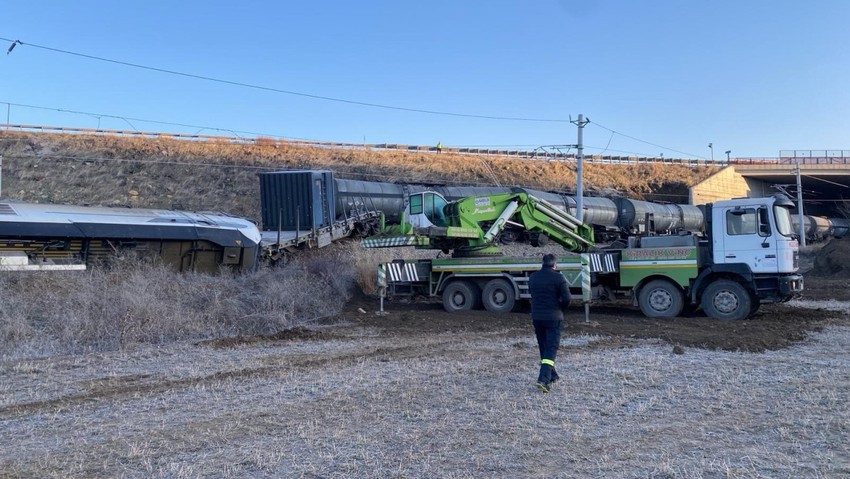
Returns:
(800, 207)
(585, 258)
(711, 147)
(580, 167)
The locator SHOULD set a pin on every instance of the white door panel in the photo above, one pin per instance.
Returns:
(748, 238)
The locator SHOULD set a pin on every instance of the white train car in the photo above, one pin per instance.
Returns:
(44, 236)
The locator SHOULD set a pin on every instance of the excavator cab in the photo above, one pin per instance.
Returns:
(426, 209)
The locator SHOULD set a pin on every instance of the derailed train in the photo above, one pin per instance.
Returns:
(57, 237)
(322, 208)
(611, 217)
(818, 228)
(308, 199)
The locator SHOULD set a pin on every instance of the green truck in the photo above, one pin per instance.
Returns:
(746, 256)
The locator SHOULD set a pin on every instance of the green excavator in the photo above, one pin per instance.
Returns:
(475, 225)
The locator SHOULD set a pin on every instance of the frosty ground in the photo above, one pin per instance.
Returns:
(421, 393)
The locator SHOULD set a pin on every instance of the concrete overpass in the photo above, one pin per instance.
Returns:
(825, 180)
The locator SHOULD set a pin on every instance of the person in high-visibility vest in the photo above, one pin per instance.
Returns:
(550, 297)
(439, 147)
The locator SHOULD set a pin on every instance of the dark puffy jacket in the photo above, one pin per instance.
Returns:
(550, 295)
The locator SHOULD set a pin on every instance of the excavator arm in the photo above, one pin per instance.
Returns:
(483, 218)
(474, 225)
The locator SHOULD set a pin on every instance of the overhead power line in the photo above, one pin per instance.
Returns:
(237, 133)
(647, 142)
(158, 122)
(279, 90)
(16, 42)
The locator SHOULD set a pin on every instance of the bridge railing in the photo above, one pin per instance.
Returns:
(815, 157)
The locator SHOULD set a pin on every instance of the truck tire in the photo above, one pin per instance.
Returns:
(461, 296)
(726, 299)
(661, 299)
(498, 296)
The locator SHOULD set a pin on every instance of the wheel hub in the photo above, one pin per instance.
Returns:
(726, 302)
(458, 299)
(499, 297)
(660, 300)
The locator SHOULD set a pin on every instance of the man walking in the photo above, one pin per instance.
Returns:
(550, 296)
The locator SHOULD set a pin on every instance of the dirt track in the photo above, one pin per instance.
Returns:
(773, 327)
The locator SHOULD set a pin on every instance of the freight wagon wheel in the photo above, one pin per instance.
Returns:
(461, 296)
(498, 296)
(661, 299)
(538, 240)
(508, 236)
(726, 299)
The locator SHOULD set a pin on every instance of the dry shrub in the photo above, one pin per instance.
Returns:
(366, 270)
(130, 302)
(366, 263)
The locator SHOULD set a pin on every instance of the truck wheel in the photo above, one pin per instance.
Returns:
(460, 296)
(661, 299)
(726, 299)
(498, 296)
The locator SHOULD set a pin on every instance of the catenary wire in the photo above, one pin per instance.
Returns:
(214, 128)
(159, 122)
(287, 92)
(647, 142)
(333, 99)
(237, 133)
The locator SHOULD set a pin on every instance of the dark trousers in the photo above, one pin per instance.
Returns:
(548, 338)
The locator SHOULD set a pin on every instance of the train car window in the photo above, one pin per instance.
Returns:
(416, 204)
(741, 222)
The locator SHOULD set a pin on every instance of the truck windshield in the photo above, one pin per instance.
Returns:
(783, 220)
(434, 204)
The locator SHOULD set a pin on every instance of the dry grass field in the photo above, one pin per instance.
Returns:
(373, 398)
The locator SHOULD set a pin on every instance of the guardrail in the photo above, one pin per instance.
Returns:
(523, 154)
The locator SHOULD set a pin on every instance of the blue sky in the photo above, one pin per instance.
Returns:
(754, 77)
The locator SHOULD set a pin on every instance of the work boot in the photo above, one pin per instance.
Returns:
(543, 387)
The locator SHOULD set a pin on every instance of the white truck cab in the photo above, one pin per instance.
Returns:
(756, 232)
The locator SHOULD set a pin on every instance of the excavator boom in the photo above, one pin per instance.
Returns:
(475, 224)
(519, 210)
